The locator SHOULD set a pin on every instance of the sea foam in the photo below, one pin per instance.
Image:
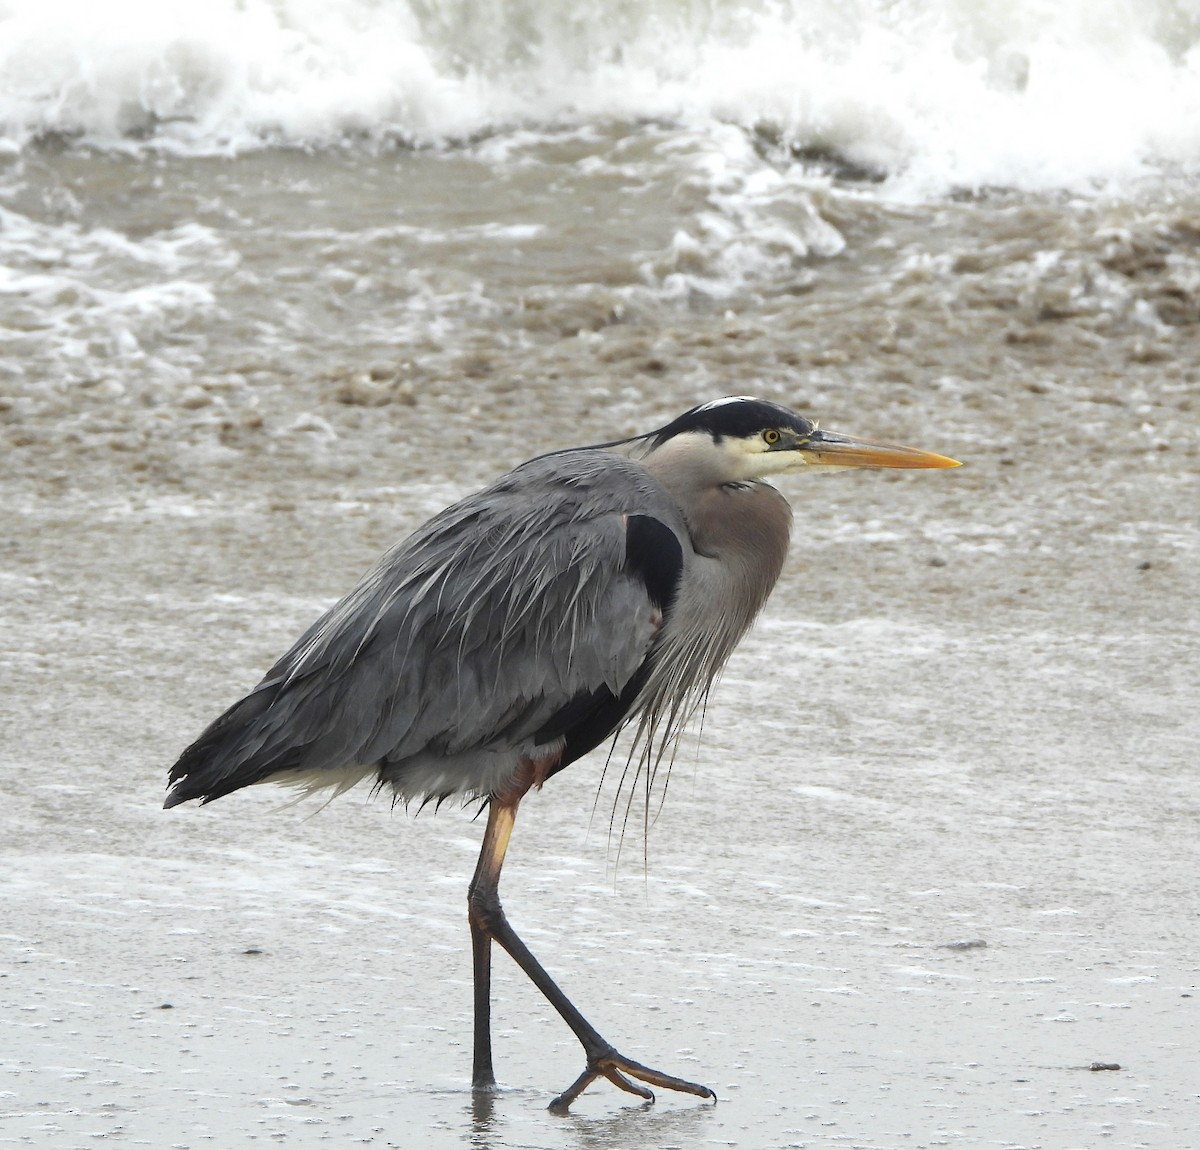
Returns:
(932, 94)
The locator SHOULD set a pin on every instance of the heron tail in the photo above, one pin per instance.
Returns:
(235, 751)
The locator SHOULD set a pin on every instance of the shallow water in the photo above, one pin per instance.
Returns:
(935, 853)
(927, 867)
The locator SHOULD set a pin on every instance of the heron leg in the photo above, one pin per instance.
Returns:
(489, 922)
(483, 887)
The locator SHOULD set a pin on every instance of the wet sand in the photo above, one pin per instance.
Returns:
(934, 858)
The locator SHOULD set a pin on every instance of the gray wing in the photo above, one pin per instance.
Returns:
(504, 624)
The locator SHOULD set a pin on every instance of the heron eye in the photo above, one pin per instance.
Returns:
(771, 437)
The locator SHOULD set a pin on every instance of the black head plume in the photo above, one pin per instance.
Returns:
(739, 416)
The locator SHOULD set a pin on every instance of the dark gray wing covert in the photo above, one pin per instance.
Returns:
(506, 622)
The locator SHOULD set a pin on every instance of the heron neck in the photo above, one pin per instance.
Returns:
(744, 527)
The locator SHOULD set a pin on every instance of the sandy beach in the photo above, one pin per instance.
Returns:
(927, 879)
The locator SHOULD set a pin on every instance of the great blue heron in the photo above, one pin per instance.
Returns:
(519, 629)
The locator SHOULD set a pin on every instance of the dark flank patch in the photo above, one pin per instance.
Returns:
(653, 554)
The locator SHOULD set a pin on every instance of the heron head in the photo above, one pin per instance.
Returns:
(757, 438)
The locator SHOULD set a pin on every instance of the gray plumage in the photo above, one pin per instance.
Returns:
(519, 628)
(437, 671)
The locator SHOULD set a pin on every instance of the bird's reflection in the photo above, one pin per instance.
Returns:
(637, 1125)
(483, 1119)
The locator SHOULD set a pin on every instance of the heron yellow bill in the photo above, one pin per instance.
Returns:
(829, 449)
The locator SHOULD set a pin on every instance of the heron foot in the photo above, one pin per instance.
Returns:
(620, 1071)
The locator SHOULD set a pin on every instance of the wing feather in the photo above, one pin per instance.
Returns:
(455, 654)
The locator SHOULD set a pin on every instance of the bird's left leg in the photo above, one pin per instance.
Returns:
(488, 922)
(483, 909)
(480, 893)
